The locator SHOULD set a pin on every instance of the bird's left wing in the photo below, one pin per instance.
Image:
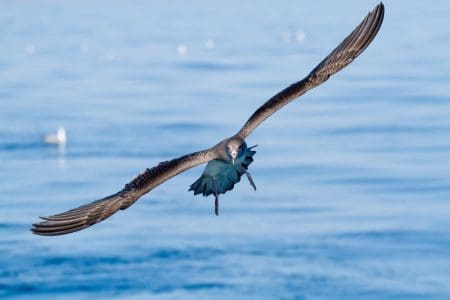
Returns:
(97, 211)
(352, 46)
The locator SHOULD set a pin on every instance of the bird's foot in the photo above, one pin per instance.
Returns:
(216, 205)
(216, 196)
(250, 180)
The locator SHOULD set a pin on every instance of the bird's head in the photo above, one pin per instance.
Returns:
(61, 135)
(234, 147)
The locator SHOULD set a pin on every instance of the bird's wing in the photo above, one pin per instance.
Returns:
(352, 46)
(97, 211)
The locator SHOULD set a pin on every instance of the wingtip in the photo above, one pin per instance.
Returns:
(377, 9)
(380, 7)
(35, 227)
(35, 230)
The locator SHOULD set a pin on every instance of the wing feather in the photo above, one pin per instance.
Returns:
(97, 211)
(350, 48)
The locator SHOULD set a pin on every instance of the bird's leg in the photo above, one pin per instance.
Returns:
(250, 179)
(216, 196)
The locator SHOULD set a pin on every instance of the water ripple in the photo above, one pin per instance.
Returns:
(216, 66)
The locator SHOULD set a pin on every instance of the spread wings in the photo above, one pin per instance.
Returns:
(97, 211)
(352, 46)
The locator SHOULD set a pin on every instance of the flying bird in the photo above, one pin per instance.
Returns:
(228, 160)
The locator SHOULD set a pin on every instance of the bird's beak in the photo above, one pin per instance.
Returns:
(233, 157)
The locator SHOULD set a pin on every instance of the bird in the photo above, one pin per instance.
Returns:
(60, 138)
(228, 160)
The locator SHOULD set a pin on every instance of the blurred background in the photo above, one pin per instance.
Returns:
(353, 180)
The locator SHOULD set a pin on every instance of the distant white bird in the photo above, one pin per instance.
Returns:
(210, 44)
(60, 138)
(31, 49)
(181, 50)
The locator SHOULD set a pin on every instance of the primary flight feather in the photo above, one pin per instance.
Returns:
(227, 161)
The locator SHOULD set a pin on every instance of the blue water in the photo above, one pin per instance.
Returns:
(353, 180)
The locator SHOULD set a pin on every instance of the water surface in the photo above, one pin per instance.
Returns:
(353, 180)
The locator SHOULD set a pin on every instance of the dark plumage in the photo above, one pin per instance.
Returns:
(225, 174)
(230, 158)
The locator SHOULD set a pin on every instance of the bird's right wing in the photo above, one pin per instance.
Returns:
(352, 46)
(97, 211)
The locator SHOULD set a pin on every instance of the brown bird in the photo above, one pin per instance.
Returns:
(230, 158)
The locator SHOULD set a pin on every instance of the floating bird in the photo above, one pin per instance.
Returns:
(60, 138)
(228, 160)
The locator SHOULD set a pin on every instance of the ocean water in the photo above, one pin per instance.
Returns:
(353, 198)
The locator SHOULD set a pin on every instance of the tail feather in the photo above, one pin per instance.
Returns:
(226, 176)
